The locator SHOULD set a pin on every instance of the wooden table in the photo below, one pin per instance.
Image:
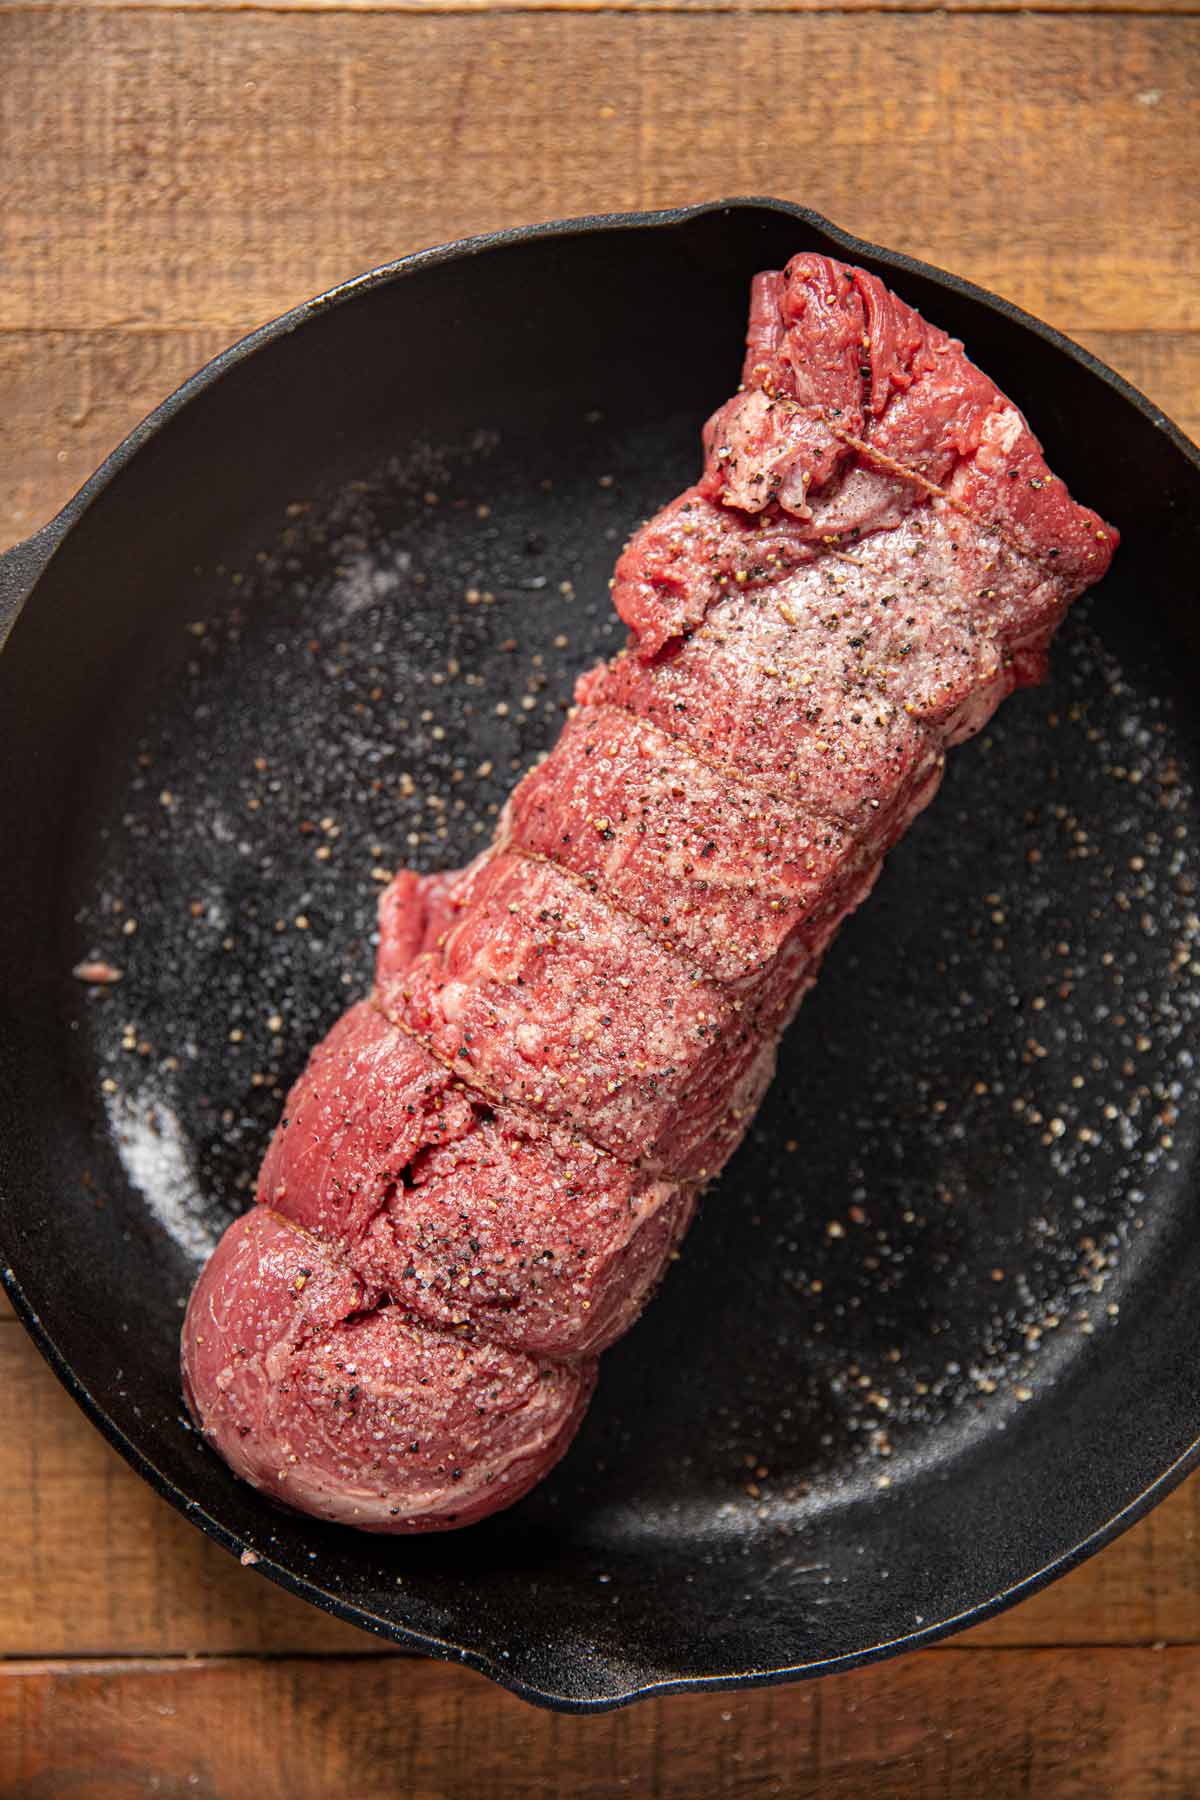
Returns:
(170, 175)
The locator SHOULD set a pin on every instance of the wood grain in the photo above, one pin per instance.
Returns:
(194, 171)
(141, 1581)
(1057, 1724)
(68, 397)
(688, 7)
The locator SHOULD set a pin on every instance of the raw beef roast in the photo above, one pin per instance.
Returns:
(486, 1166)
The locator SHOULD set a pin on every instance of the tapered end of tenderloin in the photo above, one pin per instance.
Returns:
(356, 1412)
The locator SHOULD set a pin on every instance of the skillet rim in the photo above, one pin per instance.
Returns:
(21, 568)
(28, 559)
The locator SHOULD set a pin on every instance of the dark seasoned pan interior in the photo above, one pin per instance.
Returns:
(930, 1330)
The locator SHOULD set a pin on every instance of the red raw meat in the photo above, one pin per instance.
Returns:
(485, 1168)
(544, 995)
(413, 913)
(373, 1418)
(528, 1232)
(461, 1213)
(720, 870)
(369, 1102)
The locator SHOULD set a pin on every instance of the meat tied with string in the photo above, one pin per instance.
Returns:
(486, 1166)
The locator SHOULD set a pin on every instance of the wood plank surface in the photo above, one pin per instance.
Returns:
(775, 8)
(186, 164)
(68, 397)
(1058, 1724)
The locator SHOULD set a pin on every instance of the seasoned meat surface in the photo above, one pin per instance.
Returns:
(368, 1415)
(484, 1170)
(722, 871)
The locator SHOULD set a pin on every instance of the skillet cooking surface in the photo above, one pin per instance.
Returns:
(931, 1330)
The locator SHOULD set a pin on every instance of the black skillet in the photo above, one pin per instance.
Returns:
(932, 1340)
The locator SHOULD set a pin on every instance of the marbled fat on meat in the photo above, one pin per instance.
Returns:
(487, 1165)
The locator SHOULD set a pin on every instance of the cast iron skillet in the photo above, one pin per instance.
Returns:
(932, 1340)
